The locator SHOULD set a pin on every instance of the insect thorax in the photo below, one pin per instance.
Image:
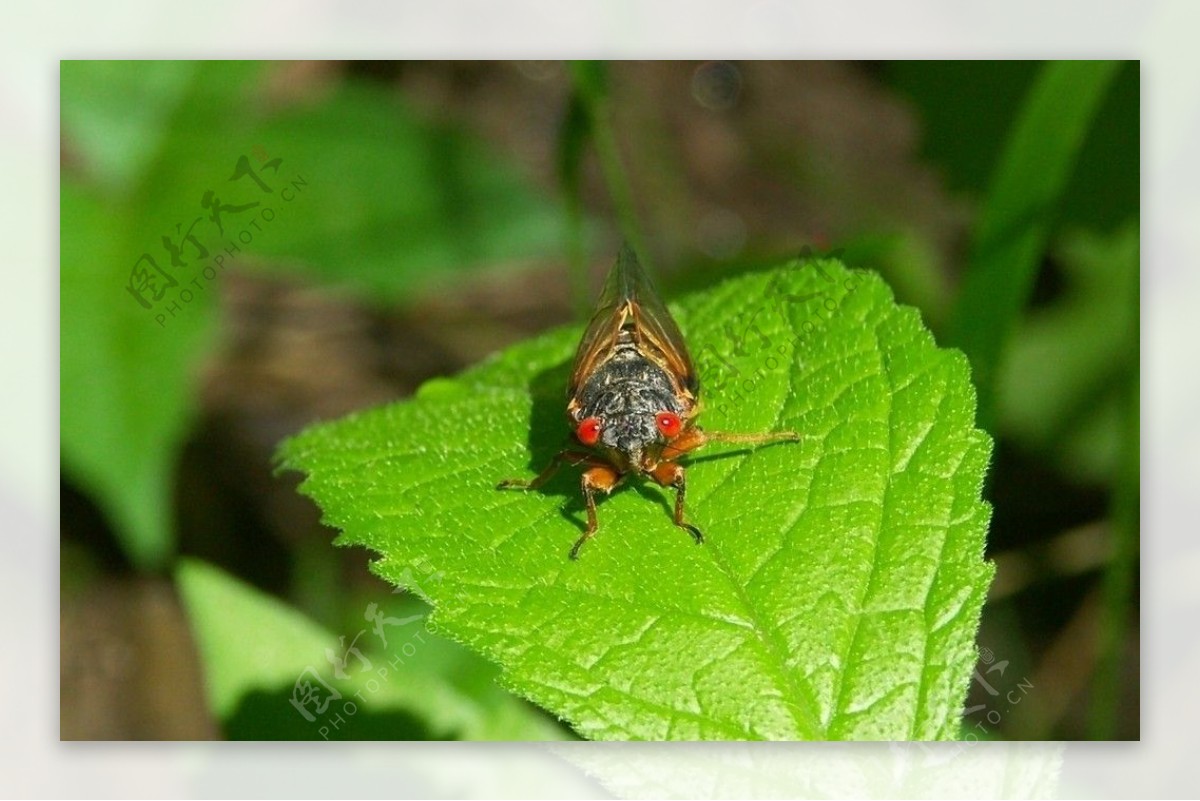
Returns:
(626, 392)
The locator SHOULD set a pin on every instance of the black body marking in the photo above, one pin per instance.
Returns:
(625, 393)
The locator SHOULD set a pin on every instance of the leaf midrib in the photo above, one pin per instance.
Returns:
(841, 685)
(805, 721)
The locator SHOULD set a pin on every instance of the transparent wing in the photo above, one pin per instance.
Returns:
(629, 298)
(656, 328)
(600, 336)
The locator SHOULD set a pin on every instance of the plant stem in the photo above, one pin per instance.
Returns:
(590, 79)
(571, 141)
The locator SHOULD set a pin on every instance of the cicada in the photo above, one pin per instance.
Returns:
(633, 399)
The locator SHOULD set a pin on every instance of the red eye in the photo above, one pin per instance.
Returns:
(588, 431)
(668, 423)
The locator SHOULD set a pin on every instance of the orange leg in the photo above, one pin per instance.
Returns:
(603, 478)
(670, 474)
(600, 476)
(567, 457)
(696, 437)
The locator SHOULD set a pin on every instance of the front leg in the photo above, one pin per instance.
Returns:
(670, 474)
(560, 458)
(604, 478)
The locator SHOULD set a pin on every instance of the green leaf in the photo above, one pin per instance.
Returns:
(126, 377)
(118, 113)
(962, 106)
(255, 649)
(125, 383)
(1016, 222)
(390, 201)
(365, 191)
(1077, 353)
(126, 374)
(838, 592)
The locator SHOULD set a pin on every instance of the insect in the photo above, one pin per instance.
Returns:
(633, 399)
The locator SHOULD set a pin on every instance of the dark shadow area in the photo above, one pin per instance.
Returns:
(83, 524)
(549, 433)
(269, 715)
(1031, 501)
(222, 481)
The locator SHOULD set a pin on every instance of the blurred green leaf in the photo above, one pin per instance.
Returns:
(1106, 190)
(964, 107)
(364, 191)
(390, 201)
(1120, 576)
(256, 649)
(125, 383)
(839, 589)
(1012, 233)
(126, 371)
(1060, 389)
(118, 113)
(378, 200)
(168, 128)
